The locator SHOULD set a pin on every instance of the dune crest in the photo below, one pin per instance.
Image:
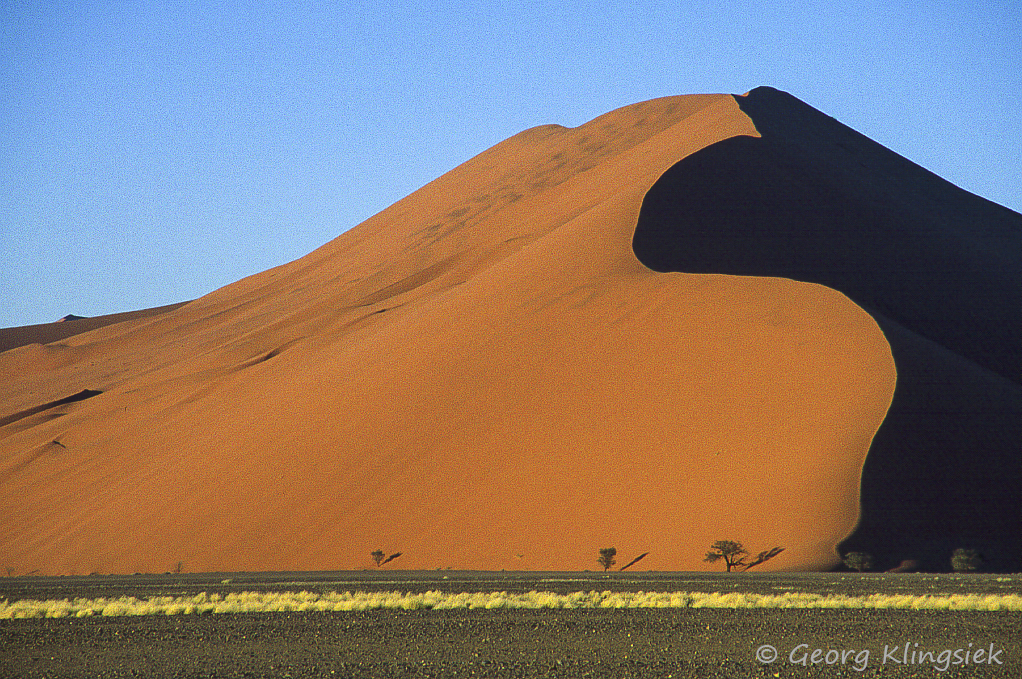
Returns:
(481, 376)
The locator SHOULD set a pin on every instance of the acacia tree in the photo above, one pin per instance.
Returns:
(731, 551)
(378, 556)
(606, 559)
(733, 554)
(860, 561)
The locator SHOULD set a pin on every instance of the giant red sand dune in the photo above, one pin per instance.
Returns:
(484, 375)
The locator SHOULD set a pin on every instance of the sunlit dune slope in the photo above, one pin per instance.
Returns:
(940, 270)
(481, 376)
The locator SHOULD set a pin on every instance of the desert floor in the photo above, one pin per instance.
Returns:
(507, 643)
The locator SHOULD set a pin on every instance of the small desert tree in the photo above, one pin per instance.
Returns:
(859, 561)
(966, 560)
(731, 551)
(733, 554)
(378, 557)
(607, 555)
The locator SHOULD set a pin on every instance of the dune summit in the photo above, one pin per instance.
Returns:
(510, 368)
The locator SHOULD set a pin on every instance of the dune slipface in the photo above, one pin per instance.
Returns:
(939, 269)
(482, 376)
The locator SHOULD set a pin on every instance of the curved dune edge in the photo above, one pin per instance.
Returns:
(937, 268)
(482, 376)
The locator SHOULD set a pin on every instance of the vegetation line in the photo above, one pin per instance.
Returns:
(269, 602)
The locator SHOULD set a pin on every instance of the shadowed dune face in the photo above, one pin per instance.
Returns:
(939, 269)
(482, 376)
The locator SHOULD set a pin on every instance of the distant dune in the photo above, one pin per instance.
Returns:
(46, 333)
(610, 335)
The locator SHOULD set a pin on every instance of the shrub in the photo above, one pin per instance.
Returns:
(859, 561)
(966, 560)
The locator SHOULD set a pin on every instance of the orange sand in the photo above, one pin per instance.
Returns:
(482, 376)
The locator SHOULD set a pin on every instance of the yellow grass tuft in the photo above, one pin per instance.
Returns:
(275, 602)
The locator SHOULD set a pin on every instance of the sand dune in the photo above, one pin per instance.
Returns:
(46, 333)
(487, 376)
(940, 270)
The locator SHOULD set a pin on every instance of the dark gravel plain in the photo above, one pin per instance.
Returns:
(505, 643)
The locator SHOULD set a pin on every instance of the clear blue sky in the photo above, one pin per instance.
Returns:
(155, 151)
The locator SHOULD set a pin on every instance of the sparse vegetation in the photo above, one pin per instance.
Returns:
(966, 561)
(859, 561)
(733, 553)
(274, 602)
(606, 558)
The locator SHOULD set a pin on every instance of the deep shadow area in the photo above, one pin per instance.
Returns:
(940, 270)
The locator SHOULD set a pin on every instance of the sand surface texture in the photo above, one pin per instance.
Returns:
(486, 375)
